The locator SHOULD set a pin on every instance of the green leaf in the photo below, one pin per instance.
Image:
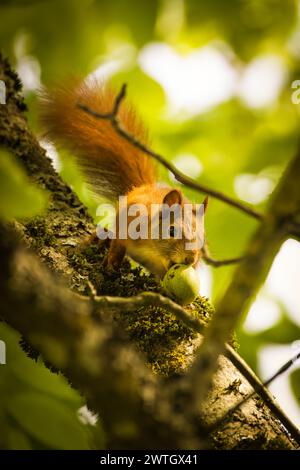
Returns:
(295, 384)
(33, 374)
(17, 440)
(48, 421)
(284, 331)
(37, 376)
(18, 197)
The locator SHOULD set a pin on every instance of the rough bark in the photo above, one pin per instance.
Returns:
(141, 406)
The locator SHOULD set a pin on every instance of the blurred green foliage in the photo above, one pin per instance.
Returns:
(24, 200)
(63, 37)
(248, 25)
(295, 382)
(38, 409)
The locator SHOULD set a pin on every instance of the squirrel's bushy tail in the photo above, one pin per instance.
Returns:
(112, 166)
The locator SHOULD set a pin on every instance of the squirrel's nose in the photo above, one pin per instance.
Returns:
(189, 259)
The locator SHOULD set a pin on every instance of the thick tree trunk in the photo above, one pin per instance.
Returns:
(35, 303)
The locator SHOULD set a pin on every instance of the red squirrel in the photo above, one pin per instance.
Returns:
(114, 167)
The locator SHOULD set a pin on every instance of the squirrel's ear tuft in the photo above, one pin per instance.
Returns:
(173, 197)
(205, 203)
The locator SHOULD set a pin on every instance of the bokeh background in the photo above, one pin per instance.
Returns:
(214, 83)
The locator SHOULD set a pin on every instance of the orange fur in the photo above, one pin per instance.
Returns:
(111, 165)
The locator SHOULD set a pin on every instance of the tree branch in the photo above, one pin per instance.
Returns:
(248, 276)
(179, 176)
(261, 390)
(150, 299)
(147, 299)
(91, 352)
(216, 263)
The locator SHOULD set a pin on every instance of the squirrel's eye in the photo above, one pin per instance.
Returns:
(172, 231)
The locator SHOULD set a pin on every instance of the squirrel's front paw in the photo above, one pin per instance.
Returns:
(114, 256)
(110, 263)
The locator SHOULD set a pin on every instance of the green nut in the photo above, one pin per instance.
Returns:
(182, 283)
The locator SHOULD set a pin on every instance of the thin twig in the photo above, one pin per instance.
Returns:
(283, 369)
(216, 263)
(119, 99)
(147, 299)
(181, 177)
